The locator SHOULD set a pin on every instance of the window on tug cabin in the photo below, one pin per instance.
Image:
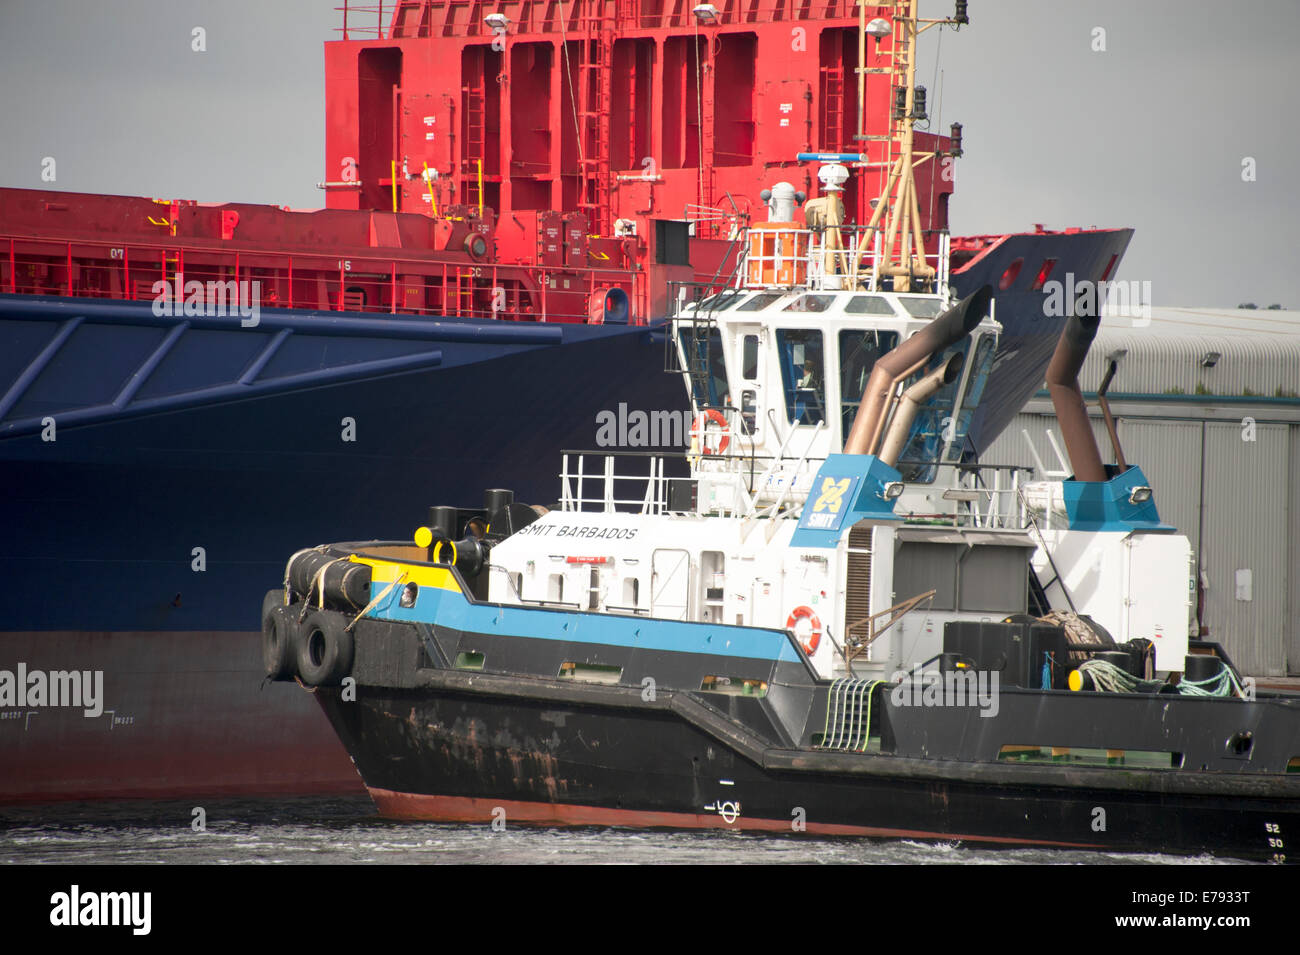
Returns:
(803, 374)
(859, 352)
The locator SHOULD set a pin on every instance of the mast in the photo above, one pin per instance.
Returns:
(897, 216)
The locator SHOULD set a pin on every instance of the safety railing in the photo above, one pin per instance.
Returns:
(983, 497)
(423, 18)
(592, 481)
(131, 271)
(825, 260)
(364, 21)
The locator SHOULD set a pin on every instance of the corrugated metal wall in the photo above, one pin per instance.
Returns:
(1237, 501)
(1169, 453)
(1162, 363)
(1245, 528)
(1293, 556)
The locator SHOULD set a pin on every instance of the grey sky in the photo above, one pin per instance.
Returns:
(1149, 134)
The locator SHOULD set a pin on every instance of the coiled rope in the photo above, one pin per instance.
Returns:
(1224, 683)
(1108, 677)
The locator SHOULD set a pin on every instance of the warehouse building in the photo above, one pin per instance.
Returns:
(1206, 402)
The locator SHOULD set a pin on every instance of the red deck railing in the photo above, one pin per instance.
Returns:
(405, 19)
(358, 283)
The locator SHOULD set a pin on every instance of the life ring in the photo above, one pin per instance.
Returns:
(806, 613)
(701, 422)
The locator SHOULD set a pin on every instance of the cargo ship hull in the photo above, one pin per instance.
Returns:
(105, 520)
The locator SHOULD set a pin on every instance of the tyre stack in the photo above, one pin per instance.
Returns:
(303, 640)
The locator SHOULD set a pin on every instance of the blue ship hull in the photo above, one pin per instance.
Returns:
(175, 434)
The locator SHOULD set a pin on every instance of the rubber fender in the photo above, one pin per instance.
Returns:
(325, 649)
(279, 638)
(345, 583)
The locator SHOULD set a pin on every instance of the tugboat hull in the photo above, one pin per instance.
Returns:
(466, 747)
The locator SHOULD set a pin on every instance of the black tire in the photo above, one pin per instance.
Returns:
(278, 626)
(324, 649)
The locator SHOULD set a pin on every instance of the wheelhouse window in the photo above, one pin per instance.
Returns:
(810, 303)
(760, 301)
(859, 351)
(749, 411)
(704, 362)
(869, 305)
(921, 307)
(725, 299)
(749, 357)
(979, 376)
(934, 423)
(802, 374)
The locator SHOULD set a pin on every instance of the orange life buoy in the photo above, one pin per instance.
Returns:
(806, 613)
(701, 422)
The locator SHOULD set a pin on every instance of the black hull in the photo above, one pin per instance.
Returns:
(455, 746)
(465, 757)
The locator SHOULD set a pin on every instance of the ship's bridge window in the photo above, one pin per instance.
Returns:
(859, 351)
(810, 303)
(748, 411)
(749, 357)
(802, 374)
(921, 307)
(704, 362)
(933, 425)
(869, 305)
(760, 301)
(720, 302)
(978, 378)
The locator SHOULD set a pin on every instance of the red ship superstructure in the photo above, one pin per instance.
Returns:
(600, 133)
(522, 161)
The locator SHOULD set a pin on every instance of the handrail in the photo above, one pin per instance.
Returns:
(775, 509)
(438, 284)
(379, 31)
(572, 486)
(814, 266)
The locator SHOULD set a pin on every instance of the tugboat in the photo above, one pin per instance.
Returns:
(840, 623)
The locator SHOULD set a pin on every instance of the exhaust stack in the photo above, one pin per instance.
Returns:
(1067, 399)
(910, 404)
(953, 325)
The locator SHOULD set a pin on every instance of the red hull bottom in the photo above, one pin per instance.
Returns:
(185, 715)
(413, 807)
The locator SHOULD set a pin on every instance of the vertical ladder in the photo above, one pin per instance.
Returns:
(594, 96)
(474, 96)
(464, 302)
(697, 343)
(833, 105)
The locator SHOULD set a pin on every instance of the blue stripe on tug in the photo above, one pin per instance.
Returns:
(848, 488)
(1113, 505)
(451, 609)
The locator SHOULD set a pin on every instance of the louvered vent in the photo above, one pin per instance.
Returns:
(857, 603)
